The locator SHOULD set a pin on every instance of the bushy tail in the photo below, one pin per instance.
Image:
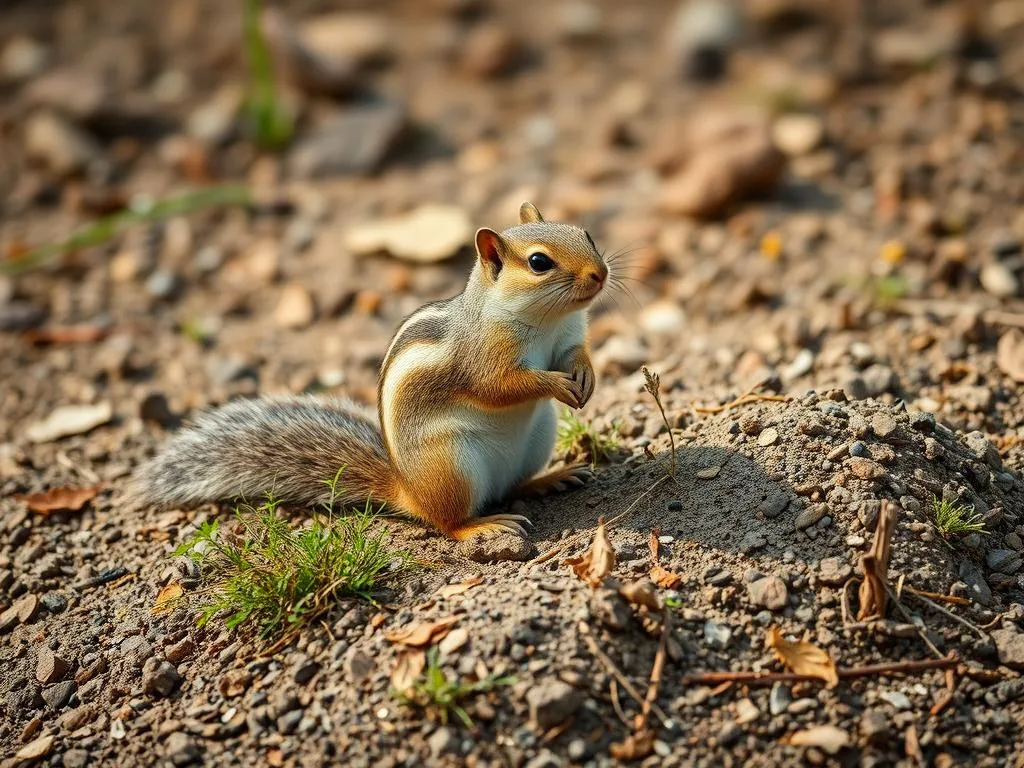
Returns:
(292, 447)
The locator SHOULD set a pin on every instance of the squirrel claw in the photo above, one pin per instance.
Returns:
(501, 523)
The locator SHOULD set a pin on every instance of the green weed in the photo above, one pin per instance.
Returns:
(270, 119)
(267, 574)
(956, 519)
(581, 441)
(442, 697)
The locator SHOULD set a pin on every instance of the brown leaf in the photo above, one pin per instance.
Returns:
(641, 592)
(422, 633)
(803, 658)
(1010, 354)
(166, 597)
(661, 576)
(826, 737)
(598, 561)
(450, 590)
(409, 667)
(875, 565)
(636, 746)
(454, 640)
(72, 499)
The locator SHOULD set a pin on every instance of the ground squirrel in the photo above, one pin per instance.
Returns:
(465, 411)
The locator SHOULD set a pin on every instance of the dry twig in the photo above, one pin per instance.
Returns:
(615, 672)
(868, 670)
(875, 565)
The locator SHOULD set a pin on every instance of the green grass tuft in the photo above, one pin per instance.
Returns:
(580, 441)
(956, 519)
(442, 697)
(270, 119)
(269, 575)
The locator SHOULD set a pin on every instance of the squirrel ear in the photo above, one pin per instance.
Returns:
(528, 214)
(489, 247)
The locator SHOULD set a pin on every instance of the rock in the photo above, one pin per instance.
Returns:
(60, 146)
(357, 141)
(897, 699)
(489, 51)
(773, 506)
(26, 608)
(180, 651)
(73, 90)
(768, 437)
(429, 233)
(810, 515)
(443, 741)
(74, 719)
(741, 163)
(307, 57)
(977, 588)
(545, 759)
(75, 758)
(359, 664)
(20, 316)
(769, 592)
(215, 121)
(997, 279)
(49, 666)
(160, 678)
(609, 608)
(779, 699)
(983, 449)
(349, 37)
(883, 425)
(750, 424)
(833, 572)
(865, 469)
(662, 317)
(164, 284)
(552, 702)
(579, 20)
(69, 420)
(305, 669)
(181, 749)
(717, 635)
(234, 683)
(797, 135)
(701, 36)
(1010, 354)
(878, 379)
(57, 696)
(729, 733)
(1004, 561)
(801, 365)
(1010, 647)
(621, 354)
(874, 727)
(35, 750)
(295, 308)
(498, 548)
(22, 58)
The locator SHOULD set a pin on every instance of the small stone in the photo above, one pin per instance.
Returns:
(498, 548)
(489, 51)
(717, 635)
(305, 669)
(60, 145)
(359, 664)
(295, 308)
(57, 696)
(878, 379)
(75, 758)
(701, 36)
(355, 141)
(443, 741)
(22, 58)
(68, 420)
(768, 437)
(858, 448)
(609, 608)
(874, 727)
(289, 722)
(49, 666)
(1004, 561)
(180, 651)
(797, 134)
(181, 749)
(977, 588)
(1010, 646)
(779, 699)
(164, 285)
(923, 422)
(810, 515)
(729, 733)
(430, 233)
(883, 425)
(865, 469)
(801, 365)
(750, 423)
(160, 678)
(897, 699)
(770, 592)
(833, 572)
(773, 506)
(26, 608)
(802, 706)
(234, 683)
(35, 750)
(999, 280)
(552, 702)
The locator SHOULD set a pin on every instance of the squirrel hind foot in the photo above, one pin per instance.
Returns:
(557, 481)
(501, 523)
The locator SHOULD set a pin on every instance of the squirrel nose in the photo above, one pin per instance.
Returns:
(599, 276)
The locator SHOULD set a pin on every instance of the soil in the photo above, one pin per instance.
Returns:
(817, 203)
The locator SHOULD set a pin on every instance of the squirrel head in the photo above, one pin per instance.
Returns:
(541, 270)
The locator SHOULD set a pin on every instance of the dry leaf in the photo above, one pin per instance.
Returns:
(166, 597)
(826, 737)
(635, 747)
(598, 561)
(641, 592)
(803, 658)
(422, 633)
(450, 590)
(661, 576)
(875, 565)
(454, 640)
(72, 499)
(409, 667)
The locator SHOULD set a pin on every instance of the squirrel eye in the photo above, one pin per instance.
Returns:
(540, 262)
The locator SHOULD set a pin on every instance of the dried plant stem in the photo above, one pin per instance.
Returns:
(960, 619)
(656, 670)
(653, 387)
(938, 597)
(627, 686)
(868, 670)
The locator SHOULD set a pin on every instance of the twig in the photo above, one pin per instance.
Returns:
(910, 618)
(937, 596)
(868, 670)
(656, 670)
(744, 399)
(613, 691)
(875, 565)
(940, 609)
(623, 680)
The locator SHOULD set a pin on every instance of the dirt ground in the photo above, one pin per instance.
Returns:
(819, 202)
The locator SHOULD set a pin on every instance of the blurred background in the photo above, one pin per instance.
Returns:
(203, 198)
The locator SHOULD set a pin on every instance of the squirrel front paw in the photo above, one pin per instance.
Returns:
(567, 389)
(583, 374)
